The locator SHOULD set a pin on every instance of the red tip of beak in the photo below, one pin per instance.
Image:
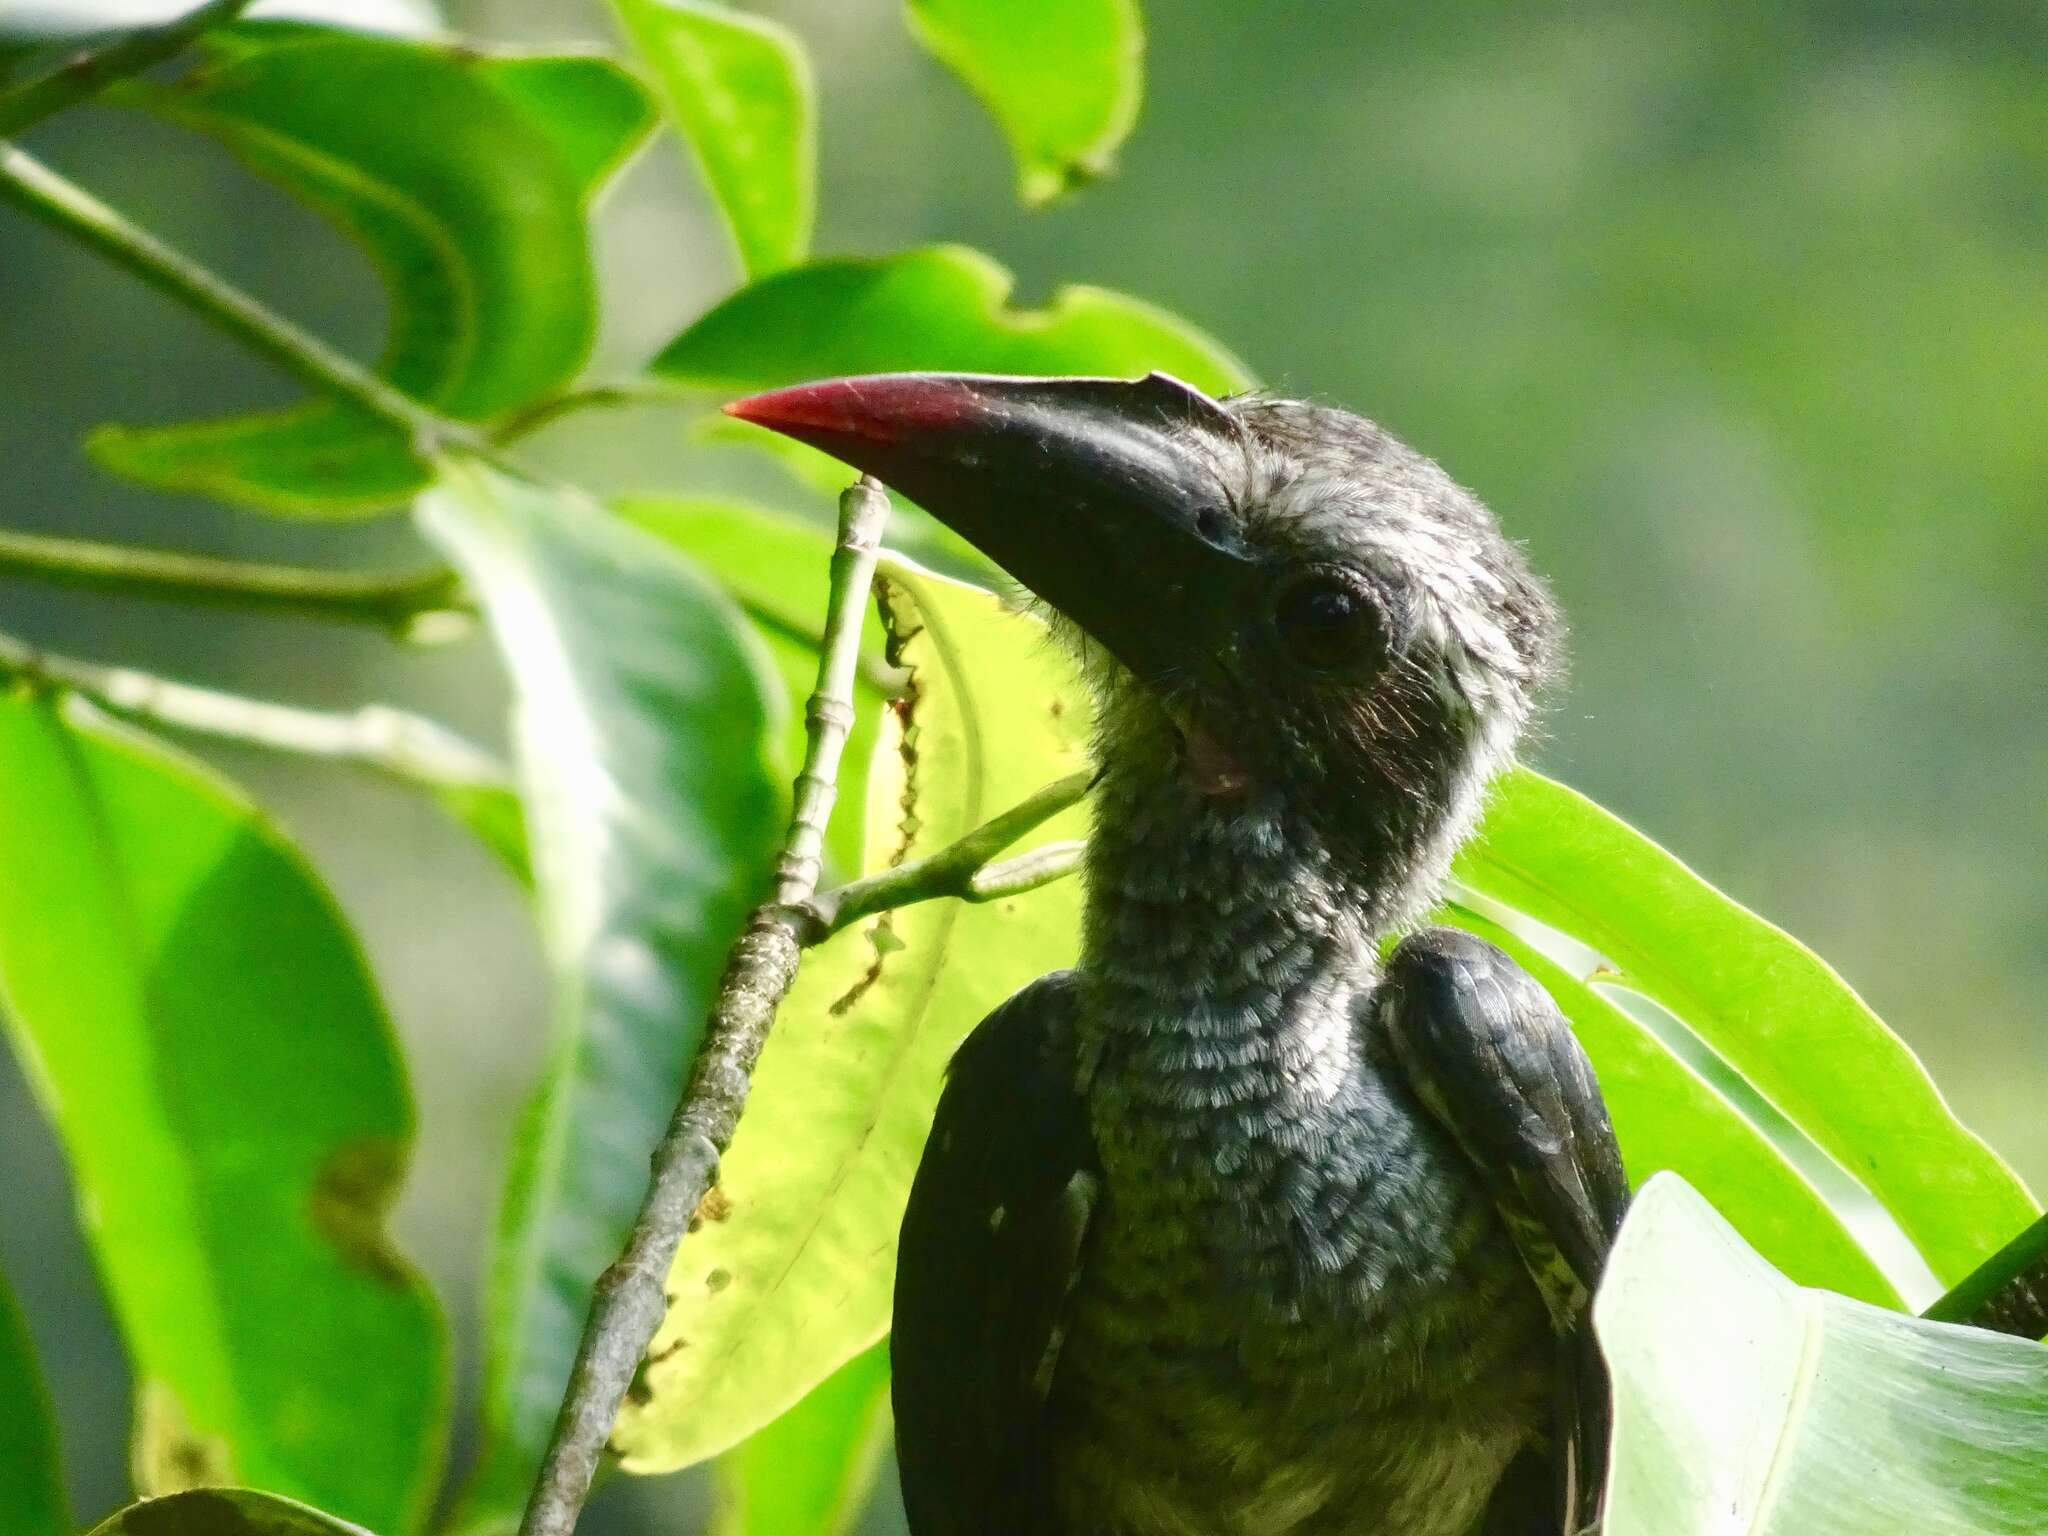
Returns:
(882, 408)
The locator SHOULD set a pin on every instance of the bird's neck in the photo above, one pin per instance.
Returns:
(1225, 948)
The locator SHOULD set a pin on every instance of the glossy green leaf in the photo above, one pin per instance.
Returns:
(1666, 1116)
(468, 187)
(199, 1022)
(224, 1512)
(938, 307)
(644, 717)
(1746, 1406)
(31, 1481)
(810, 1472)
(593, 112)
(790, 1271)
(1769, 1006)
(778, 571)
(1064, 78)
(739, 90)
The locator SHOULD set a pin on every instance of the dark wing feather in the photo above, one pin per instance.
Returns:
(1492, 1059)
(991, 1249)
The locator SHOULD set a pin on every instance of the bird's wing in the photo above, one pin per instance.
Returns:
(1491, 1058)
(990, 1252)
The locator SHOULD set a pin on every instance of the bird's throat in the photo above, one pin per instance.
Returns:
(1212, 770)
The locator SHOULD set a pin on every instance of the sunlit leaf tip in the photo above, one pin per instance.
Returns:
(740, 93)
(1064, 79)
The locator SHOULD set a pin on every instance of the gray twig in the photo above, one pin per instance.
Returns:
(628, 1302)
(964, 869)
(388, 602)
(405, 746)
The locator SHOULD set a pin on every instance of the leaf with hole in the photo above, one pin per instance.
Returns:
(200, 1025)
(1063, 78)
(468, 187)
(739, 90)
(644, 720)
(1748, 1406)
(789, 1271)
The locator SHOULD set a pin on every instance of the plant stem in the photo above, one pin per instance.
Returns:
(68, 208)
(963, 869)
(628, 1302)
(90, 70)
(408, 747)
(389, 602)
(549, 409)
(2007, 1293)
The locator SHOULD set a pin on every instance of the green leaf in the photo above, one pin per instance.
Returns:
(644, 717)
(778, 571)
(493, 817)
(224, 1512)
(739, 90)
(595, 113)
(1746, 1406)
(1063, 78)
(31, 1479)
(468, 187)
(200, 1025)
(1666, 1116)
(789, 1274)
(1769, 1006)
(940, 307)
(811, 1471)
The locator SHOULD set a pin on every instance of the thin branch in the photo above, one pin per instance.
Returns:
(963, 869)
(388, 602)
(403, 746)
(876, 671)
(528, 419)
(91, 70)
(2007, 1293)
(71, 210)
(628, 1303)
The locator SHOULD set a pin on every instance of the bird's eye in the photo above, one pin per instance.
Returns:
(1327, 623)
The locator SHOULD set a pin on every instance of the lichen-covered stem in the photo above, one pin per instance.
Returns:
(628, 1303)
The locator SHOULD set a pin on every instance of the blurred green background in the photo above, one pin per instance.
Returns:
(1737, 313)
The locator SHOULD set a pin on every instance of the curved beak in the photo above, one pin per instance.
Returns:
(1103, 496)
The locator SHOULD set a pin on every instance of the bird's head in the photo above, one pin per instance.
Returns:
(1277, 602)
